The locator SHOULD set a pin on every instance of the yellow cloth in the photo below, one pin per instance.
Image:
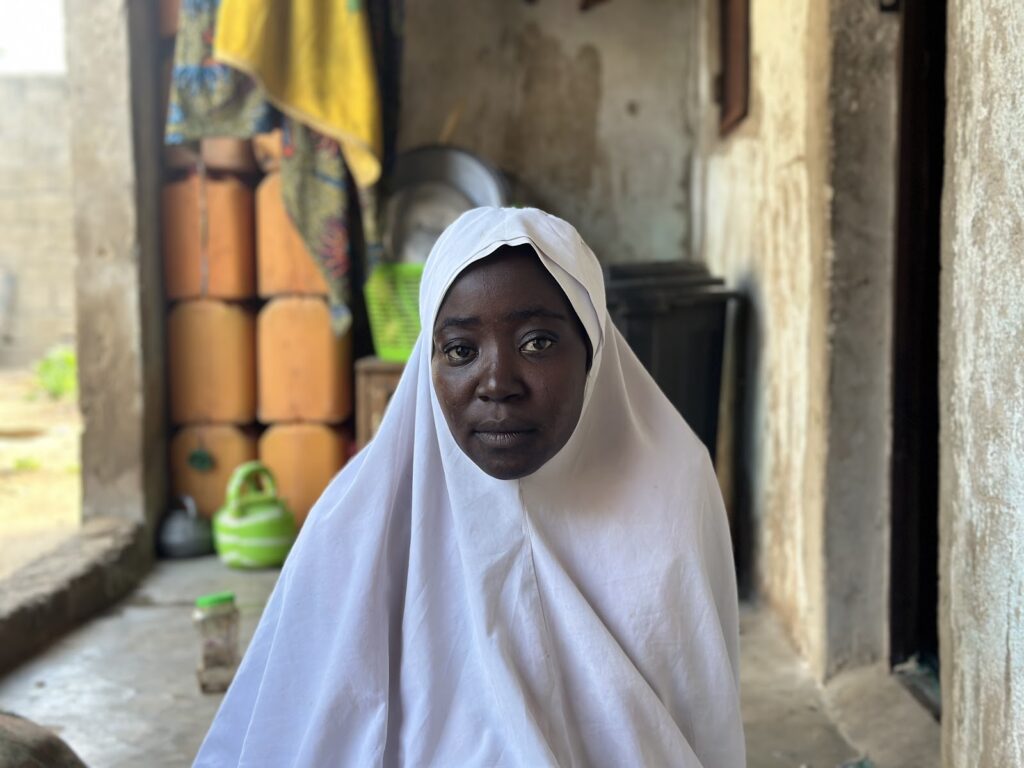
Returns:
(314, 60)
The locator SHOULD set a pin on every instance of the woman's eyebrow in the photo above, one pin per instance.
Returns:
(531, 312)
(527, 313)
(459, 322)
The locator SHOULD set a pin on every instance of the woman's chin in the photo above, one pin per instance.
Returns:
(506, 456)
(505, 467)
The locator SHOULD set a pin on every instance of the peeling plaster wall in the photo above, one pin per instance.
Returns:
(982, 389)
(798, 213)
(592, 112)
(765, 228)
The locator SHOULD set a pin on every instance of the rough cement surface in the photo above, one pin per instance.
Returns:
(96, 566)
(863, 97)
(108, 301)
(37, 250)
(135, 666)
(593, 112)
(981, 523)
(765, 228)
(784, 715)
(877, 714)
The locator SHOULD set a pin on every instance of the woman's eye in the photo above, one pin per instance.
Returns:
(458, 353)
(537, 345)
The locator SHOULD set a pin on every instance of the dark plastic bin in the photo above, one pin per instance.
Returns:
(673, 315)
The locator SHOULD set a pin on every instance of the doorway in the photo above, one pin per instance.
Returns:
(40, 421)
(913, 618)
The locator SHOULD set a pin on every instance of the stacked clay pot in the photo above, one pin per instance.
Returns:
(254, 369)
(209, 264)
(304, 371)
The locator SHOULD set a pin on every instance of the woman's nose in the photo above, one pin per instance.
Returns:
(499, 377)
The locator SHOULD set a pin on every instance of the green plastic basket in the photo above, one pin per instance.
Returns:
(392, 302)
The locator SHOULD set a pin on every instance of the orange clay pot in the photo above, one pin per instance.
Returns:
(305, 371)
(211, 363)
(227, 154)
(284, 265)
(224, 445)
(303, 459)
(216, 259)
(169, 10)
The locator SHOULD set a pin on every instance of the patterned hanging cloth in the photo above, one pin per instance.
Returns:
(208, 98)
(314, 62)
(243, 66)
(315, 186)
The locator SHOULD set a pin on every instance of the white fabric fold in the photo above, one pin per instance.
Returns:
(431, 615)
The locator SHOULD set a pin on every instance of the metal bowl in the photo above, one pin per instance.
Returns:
(429, 188)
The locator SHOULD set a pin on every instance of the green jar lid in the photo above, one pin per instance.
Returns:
(217, 598)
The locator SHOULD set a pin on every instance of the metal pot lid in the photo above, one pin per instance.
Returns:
(430, 188)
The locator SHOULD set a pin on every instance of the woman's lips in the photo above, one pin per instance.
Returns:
(504, 438)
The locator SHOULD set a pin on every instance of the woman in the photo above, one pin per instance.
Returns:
(529, 565)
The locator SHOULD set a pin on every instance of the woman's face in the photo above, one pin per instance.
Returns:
(509, 363)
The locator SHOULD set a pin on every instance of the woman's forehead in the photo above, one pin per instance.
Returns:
(511, 281)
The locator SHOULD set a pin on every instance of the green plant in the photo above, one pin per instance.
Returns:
(26, 464)
(57, 372)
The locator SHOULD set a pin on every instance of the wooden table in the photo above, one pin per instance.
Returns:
(376, 381)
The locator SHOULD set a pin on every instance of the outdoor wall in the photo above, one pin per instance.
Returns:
(37, 251)
(593, 112)
(982, 389)
(765, 228)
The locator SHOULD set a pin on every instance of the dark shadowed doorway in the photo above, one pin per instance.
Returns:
(914, 584)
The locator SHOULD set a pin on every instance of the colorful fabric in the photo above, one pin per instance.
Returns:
(208, 98)
(314, 182)
(314, 61)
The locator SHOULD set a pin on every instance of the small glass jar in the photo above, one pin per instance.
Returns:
(216, 618)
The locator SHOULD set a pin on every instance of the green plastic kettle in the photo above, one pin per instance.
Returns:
(254, 528)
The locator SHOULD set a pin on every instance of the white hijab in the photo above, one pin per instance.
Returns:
(431, 615)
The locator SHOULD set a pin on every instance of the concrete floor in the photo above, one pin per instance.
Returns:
(122, 692)
(783, 712)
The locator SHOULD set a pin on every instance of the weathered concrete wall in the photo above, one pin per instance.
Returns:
(765, 228)
(119, 302)
(148, 112)
(37, 251)
(982, 389)
(593, 112)
(798, 213)
(863, 105)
